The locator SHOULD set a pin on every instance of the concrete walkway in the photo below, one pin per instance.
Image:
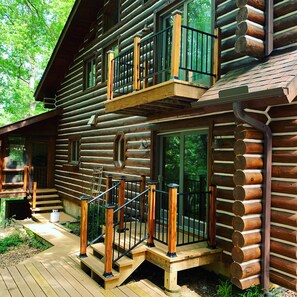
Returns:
(56, 271)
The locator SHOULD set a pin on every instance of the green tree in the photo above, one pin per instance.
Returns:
(29, 31)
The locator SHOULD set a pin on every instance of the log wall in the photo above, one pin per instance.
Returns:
(243, 29)
(223, 170)
(96, 142)
(283, 260)
(247, 207)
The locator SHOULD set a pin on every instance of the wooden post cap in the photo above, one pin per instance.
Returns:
(172, 185)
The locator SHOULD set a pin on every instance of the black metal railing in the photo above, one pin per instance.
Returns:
(196, 58)
(96, 213)
(192, 220)
(130, 225)
(155, 57)
(123, 72)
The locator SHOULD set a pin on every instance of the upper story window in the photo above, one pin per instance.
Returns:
(90, 73)
(196, 14)
(111, 14)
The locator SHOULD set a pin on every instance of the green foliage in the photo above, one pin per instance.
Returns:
(74, 227)
(17, 238)
(8, 222)
(29, 32)
(14, 239)
(224, 289)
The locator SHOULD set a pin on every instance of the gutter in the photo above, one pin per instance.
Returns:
(241, 115)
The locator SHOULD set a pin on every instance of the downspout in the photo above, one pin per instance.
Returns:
(242, 116)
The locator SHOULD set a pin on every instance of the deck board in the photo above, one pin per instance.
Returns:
(22, 285)
(28, 278)
(63, 277)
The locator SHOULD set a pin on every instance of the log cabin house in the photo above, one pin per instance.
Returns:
(188, 108)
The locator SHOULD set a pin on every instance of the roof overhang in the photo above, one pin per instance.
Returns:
(83, 14)
(29, 121)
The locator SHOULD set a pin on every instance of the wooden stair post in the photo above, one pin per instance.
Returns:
(176, 43)
(84, 226)
(25, 178)
(108, 241)
(121, 202)
(34, 196)
(172, 208)
(212, 217)
(110, 72)
(151, 214)
(142, 198)
(108, 186)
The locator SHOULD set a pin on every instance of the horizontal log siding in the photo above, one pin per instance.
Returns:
(96, 148)
(284, 196)
(223, 170)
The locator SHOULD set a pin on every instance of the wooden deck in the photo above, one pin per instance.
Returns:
(63, 278)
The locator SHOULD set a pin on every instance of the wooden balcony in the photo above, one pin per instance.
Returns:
(163, 72)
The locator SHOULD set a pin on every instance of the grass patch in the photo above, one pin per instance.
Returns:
(18, 238)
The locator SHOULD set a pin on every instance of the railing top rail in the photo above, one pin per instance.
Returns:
(160, 191)
(199, 31)
(124, 52)
(154, 34)
(102, 194)
(130, 201)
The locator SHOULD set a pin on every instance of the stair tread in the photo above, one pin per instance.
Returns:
(98, 267)
(100, 248)
(47, 208)
(47, 196)
(48, 202)
(46, 190)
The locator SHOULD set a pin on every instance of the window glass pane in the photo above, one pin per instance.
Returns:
(199, 15)
(90, 73)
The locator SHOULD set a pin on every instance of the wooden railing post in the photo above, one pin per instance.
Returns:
(172, 209)
(108, 240)
(25, 178)
(176, 43)
(110, 72)
(151, 213)
(136, 63)
(34, 196)
(212, 217)
(83, 226)
(121, 202)
(216, 55)
(108, 186)
(142, 198)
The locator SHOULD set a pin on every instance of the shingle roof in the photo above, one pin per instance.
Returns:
(279, 70)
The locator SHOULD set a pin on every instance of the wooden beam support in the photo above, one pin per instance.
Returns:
(246, 223)
(242, 208)
(250, 46)
(241, 147)
(242, 239)
(251, 29)
(243, 193)
(242, 177)
(259, 4)
(217, 55)
(243, 162)
(251, 14)
(121, 202)
(244, 270)
(246, 254)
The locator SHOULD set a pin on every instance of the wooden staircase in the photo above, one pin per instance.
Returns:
(93, 265)
(46, 201)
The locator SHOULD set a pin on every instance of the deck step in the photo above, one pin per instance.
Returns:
(47, 202)
(50, 190)
(93, 266)
(47, 208)
(99, 252)
(55, 196)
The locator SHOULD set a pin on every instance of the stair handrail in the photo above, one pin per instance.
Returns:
(85, 202)
(112, 229)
